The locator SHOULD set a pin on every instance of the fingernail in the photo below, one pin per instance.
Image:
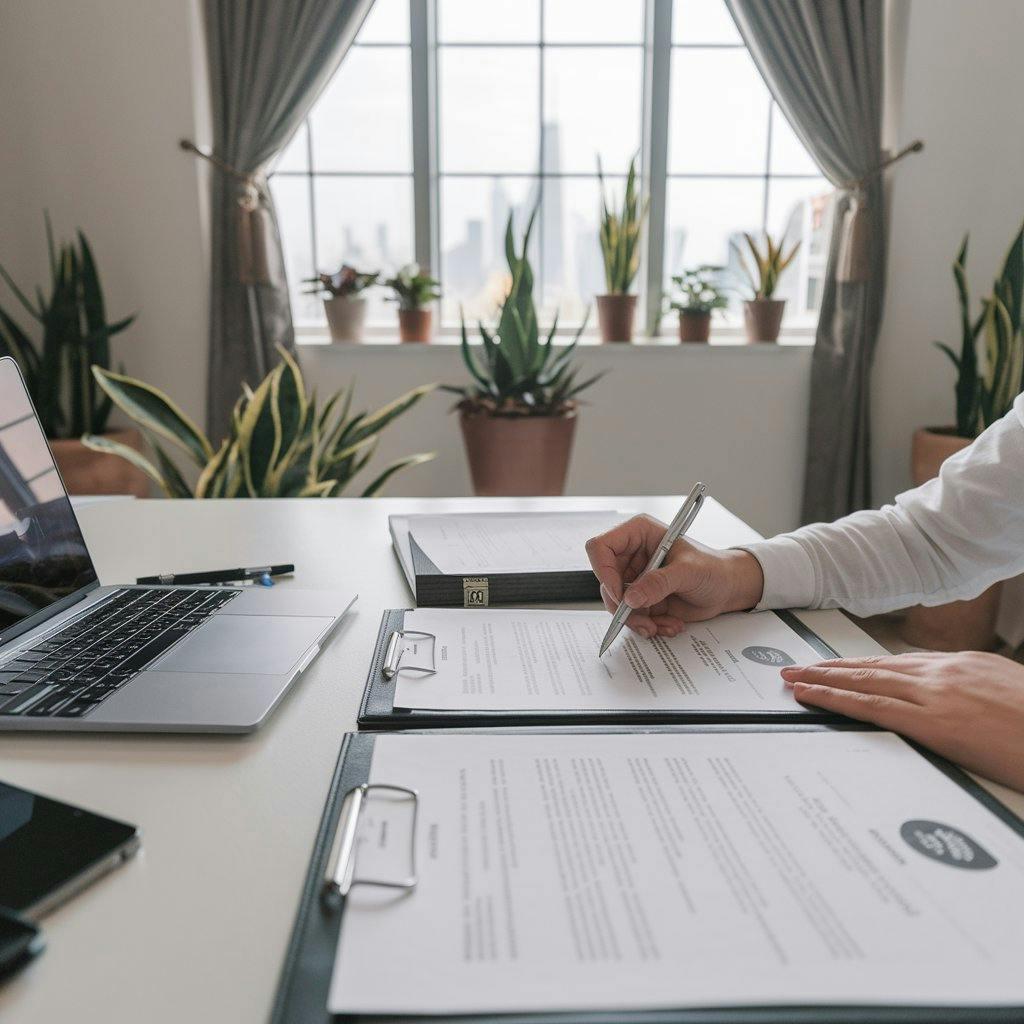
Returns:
(633, 598)
(791, 671)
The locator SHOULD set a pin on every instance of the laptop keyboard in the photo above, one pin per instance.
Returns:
(74, 670)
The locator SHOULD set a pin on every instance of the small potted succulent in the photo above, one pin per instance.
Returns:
(344, 302)
(985, 391)
(518, 413)
(619, 235)
(697, 296)
(414, 291)
(762, 314)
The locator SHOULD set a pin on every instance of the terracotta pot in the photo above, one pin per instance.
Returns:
(694, 326)
(517, 455)
(414, 325)
(87, 472)
(960, 625)
(615, 316)
(345, 317)
(763, 319)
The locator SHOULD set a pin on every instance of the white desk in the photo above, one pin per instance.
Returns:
(195, 927)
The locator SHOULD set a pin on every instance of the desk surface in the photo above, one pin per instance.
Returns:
(195, 927)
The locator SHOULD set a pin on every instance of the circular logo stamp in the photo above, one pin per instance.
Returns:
(768, 656)
(947, 845)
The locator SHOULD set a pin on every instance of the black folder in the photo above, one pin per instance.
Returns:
(434, 589)
(309, 961)
(377, 709)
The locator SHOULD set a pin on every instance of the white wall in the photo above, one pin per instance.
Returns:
(663, 417)
(93, 98)
(963, 82)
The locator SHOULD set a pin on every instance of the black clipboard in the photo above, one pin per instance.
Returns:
(377, 710)
(309, 961)
(435, 589)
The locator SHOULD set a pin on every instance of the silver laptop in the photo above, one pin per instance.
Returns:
(78, 656)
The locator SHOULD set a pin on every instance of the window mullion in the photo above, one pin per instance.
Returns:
(423, 78)
(657, 71)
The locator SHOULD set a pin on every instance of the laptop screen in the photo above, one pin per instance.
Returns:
(43, 557)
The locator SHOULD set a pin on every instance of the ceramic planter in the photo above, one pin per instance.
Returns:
(763, 319)
(960, 625)
(517, 455)
(615, 316)
(346, 317)
(694, 326)
(87, 472)
(414, 325)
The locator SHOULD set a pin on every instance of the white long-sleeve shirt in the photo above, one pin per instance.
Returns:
(947, 540)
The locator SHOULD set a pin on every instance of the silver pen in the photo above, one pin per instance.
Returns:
(676, 529)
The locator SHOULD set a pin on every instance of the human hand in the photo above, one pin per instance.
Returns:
(968, 707)
(693, 584)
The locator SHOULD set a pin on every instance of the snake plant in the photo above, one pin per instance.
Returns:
(985, 393)
(281, 443)
(619, 233)
(769, 264)
(75, 335)
(517, 372)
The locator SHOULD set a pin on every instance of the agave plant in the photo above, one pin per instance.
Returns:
(769, 264)
(517, 372)
(75, 337)
(281, 443)
(986, 395)
(619, 233)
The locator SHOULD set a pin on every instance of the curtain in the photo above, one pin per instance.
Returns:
(268, 61)
(822, 61)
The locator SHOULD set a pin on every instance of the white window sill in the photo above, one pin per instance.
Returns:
(727, 338)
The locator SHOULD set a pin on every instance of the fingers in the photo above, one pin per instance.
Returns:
(869, 679)
(656, 586)
(886, 712)
(904, 663)
(628, 544)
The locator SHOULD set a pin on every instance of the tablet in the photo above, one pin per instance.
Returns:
(49, 850)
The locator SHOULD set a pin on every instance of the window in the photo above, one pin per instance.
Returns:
(447, 115)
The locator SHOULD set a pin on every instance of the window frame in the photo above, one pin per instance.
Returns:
(657, 48)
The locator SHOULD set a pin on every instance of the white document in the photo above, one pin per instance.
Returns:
(529, 660)
(513, 542)
(643, 871)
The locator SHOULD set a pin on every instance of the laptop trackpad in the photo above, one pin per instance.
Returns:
(263, 644)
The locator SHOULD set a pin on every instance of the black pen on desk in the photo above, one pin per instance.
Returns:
(259, 574)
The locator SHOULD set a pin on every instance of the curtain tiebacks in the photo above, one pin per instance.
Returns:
(852, 259)
(252, 218)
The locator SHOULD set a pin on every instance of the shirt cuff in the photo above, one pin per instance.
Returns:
(788, 573)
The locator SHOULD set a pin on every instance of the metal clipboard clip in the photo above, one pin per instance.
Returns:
(393, 663)
(340, 878)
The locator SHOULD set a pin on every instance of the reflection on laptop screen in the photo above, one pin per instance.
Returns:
(43, 556)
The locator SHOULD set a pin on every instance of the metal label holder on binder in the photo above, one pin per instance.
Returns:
(393, 663)
(340, 877)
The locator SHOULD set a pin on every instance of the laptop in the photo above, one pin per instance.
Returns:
(75, 656)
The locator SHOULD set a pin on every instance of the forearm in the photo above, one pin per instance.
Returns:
(945, 541)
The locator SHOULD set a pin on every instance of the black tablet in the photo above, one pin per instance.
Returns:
(49, 850)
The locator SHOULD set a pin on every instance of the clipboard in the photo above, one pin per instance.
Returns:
(305, 977)
(377, 709)
(435, 589)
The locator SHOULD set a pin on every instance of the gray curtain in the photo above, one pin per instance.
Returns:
(822, 61)
(268, 61)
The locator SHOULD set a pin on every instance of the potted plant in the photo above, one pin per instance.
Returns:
(344, 302)
(619, 235)
(518, 413)
(697, 297)
(414, 291)
(762, 314)
(74, 336)
(984, 393)
(282, 443)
